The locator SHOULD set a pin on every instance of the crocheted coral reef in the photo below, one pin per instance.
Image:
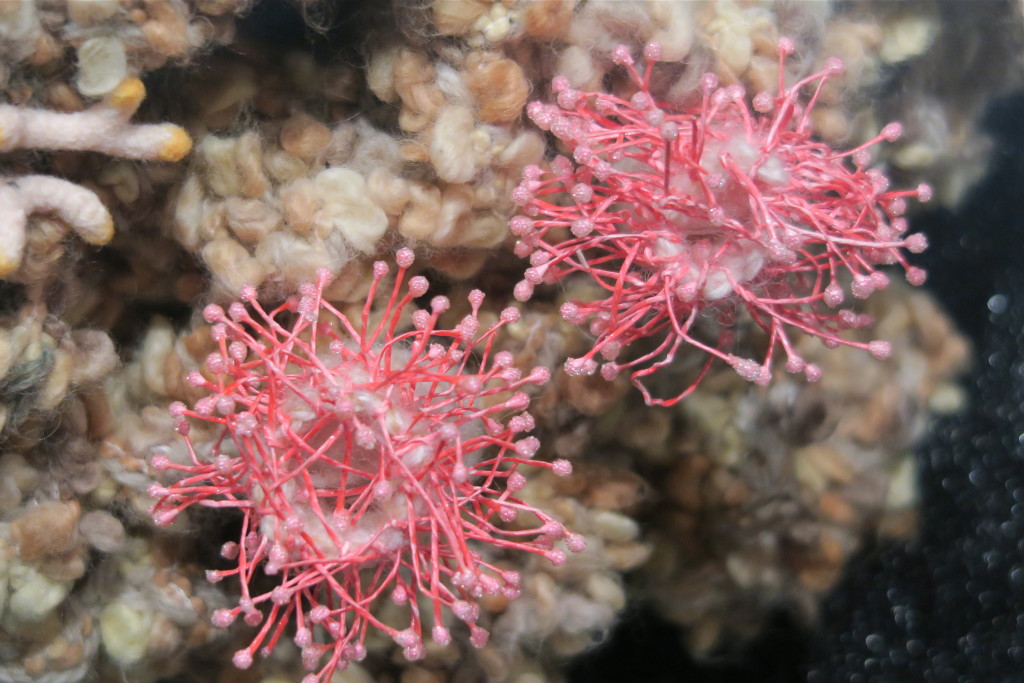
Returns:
(238, 443)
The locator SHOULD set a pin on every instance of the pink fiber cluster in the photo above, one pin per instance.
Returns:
(369, 461)
(686, 216)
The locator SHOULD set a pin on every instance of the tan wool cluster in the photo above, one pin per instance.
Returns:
(765, 497)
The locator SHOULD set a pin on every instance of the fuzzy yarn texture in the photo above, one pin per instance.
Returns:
(382, 509)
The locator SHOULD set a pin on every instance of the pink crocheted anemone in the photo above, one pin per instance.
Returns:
(684, 216)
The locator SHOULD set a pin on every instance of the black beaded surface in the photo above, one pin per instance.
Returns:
(951, 606)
